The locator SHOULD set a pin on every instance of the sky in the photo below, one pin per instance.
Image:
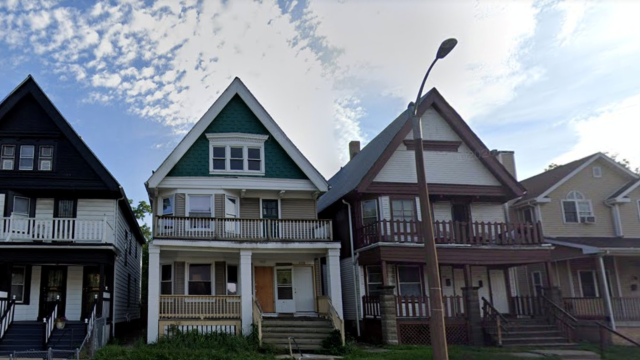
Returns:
(551, 80)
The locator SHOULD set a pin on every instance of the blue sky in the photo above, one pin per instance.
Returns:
(552, 80)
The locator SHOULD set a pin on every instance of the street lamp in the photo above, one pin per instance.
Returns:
(436, 322)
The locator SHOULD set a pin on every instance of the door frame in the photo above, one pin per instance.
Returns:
(275, 288)
(43, 278)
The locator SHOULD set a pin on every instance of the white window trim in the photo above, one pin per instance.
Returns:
(237, 205)
(173, 203)
(279, 206)
(172, 277)
(45, 158)
(33, 158)
(7, 158)
(24, 283)
(595, 282)
(245, 141)
(576, 201)
(368, 282)
(13, 211)
(188, 270)
(597, 172)
(533, 283)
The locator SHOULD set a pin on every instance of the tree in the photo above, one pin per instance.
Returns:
(140, 212)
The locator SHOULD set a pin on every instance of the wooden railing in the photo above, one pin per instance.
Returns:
(371, 306)
(526, 306)
(257, 319)
(52, 230)
(50, 322)
(419, 306)
(452, 232)
(200, 307)
(90, 324)
(603, 341)
(7, 309)
(624, 308)
(494, 320)
(242, 229)
(326, 309)
(566, 322)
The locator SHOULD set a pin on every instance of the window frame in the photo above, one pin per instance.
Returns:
(420, 280)
(24, 284)
(596, 172)
(596, 276)
(237, 279)
(42, 157)
(576, 203)
(369, 283)
(13, 209)
(171, 278)
(363, 218)
(8, 157)
(211, 278)
(237, 140)
(534, 287)
(190, 224)
(33, 158)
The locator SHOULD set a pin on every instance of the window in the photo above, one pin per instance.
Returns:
(527, 215)
(200, 207)
(576, 207)
(166, 280)
(8, 156)
(597, 172)
(21, 206)
(402, 210)
(232, 280)
(536, 282)
(27, 153)
(45, 160)
(237, 153)
(200, 279)
(589, 283)
(18, 276)
(284, 284)
(374, 280)
(167, 206)
(65, 208)
(409, 283)
(369, 211)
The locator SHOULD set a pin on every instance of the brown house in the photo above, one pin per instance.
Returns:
(373, 202)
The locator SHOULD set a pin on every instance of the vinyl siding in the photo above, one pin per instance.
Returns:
(178, 278)
(30, 312)
(180, 203)
(298, 209)
(595, 189)
(74, 293)
(126, 306)
(441, 210)
(630, 216)
(98, 209)
(629, 268)
(348, 293)
(250, 208)
(462, 167)
(487, 212)
(44, 208)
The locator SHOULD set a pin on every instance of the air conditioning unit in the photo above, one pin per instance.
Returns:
(588, 219)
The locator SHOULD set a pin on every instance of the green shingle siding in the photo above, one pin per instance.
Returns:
(237, 117)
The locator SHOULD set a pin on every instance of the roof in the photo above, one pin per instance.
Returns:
(360, 169)
(30, 86)
(627, 188)
(597, 242)
(237, 87)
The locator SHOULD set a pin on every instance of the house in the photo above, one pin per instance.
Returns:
(373, 201)
(70, 245)
(236, 238)
(590, 211)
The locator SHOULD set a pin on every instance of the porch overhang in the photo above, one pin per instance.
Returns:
(193, 245)
(567, 249)
(56, 254)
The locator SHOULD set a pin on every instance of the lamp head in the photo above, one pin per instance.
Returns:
(446, 47)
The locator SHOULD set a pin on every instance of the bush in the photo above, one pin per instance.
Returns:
(332, 345)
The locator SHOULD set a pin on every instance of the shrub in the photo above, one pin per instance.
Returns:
(332, 345)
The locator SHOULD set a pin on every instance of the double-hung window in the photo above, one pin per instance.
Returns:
(21, 206)
(576, 207)
(8, 156)
(27, 154)
(166, 280)
(199, 279)
(237, 153)
(409, 281)
(374, 280)
(232, 280)
(200, 207)
(45, 160)
(369, 211)
(403, 214)
(18, 276)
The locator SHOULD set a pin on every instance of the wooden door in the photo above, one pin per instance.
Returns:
(264, 288)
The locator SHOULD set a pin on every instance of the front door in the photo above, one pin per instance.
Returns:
(53, 290)
(64, 209)
(303, 290)
(270, 210)
(90, 289)
(284, 290)
(461, 213)
(264, 288)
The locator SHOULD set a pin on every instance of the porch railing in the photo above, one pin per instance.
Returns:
(7, 309)
(371, 306)
(53, 229)
(566, 322)
(90, 323)
(50, 322)
(414, 306)
(526, 306)
(257, 319)
(452, 232)
(204, 228)
(494, 320)
(624, 308)
(200, 307)
(325, 308)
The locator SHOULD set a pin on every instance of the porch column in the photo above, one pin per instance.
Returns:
(333, 273)
(153, 291)
(101, 290)
(474, 315)
(604, 290)
(388, 315)
(246, 293)
(551, 275)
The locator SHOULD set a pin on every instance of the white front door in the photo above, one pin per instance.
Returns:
(499, 290)
(303, 289)
(284, 290)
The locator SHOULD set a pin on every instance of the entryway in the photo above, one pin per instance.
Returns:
(285, 289)
(53, 290)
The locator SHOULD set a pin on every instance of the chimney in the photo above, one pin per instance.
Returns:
(507, 159)
(354, 148)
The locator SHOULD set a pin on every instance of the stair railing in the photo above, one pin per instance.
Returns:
(493, 318)
(90, 325)
(565, 321)
(49, 324)
(6, 318)
(603, 329)
(332, 314)
(257, 318)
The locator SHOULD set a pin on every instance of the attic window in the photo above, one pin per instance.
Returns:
(597, 172)
(236, 153)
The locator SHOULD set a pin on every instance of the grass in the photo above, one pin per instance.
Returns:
(423, 352)
(614, 352)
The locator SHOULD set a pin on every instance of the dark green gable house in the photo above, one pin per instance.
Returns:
(236, 238)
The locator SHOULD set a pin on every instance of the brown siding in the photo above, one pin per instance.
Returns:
(221, 278)
(219, 205)
(180, 205)
(298, 209)
(250, 208)
(178, 278)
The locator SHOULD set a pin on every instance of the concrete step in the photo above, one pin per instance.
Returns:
(537, 345)
(534, 340)
(286, 335)
(323, 329)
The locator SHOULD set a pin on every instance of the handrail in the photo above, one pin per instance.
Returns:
(297, 347)
(90, 325)
(49, 324)
(7, 317)
(567, 323)
(602, 327)
(492, 314)
(257, 318)
(338, 323)
(559, 308)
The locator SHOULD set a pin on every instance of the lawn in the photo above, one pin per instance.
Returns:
(614, 352)
(424, 352)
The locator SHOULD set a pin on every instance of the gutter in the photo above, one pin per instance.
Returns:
(354, 268)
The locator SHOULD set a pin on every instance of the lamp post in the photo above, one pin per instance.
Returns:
(436, 322)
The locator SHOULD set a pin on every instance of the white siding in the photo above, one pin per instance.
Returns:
(458, 278)
(74, 293)
(441, 211)
(434, 127)
(385, 208)
(499, 291)
(126, 308)
(349, 306)
(487, 212)
(446, 272)
(98, 209)
(479, 273)
(30, 312)
(44, 208)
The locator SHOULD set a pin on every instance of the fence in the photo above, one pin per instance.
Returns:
(50, 354)
(624, 308)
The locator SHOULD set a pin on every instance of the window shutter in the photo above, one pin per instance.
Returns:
(159, 204)
(2, 205)
(385, 208)
(418, 211)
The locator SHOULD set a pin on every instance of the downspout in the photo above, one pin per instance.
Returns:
(605, 290)
(354, 265)
(617, 223)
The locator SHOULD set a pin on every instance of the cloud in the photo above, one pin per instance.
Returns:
(574, 12)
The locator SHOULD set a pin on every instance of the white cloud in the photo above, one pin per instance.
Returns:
(106, 80)
(574, 12)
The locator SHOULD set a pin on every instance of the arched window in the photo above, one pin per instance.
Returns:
(576, 208)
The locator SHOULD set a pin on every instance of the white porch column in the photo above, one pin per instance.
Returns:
(333, 273)
(153, 293)
(604, 290)
(246, 291)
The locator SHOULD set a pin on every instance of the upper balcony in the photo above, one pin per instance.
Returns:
(451, 232)
(54, 230)
(210, 228)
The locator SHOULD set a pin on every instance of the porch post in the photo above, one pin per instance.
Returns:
(101, 294)
(507, 282)
(604, 291)
(474, 315)
(333, 270)
(388, 315)
(551, 275)
(246, 293)
(153, 292)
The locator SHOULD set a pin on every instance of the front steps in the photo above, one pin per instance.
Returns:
(309, 332)
(22, 335)
(69, 338)
(531, 333)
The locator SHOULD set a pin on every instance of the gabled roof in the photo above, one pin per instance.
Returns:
(29, 87)
(541, 185)
(237, 87)
(625, 190)
(360, 171)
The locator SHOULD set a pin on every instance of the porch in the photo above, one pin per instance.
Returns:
(623, 308)
(54, 230)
